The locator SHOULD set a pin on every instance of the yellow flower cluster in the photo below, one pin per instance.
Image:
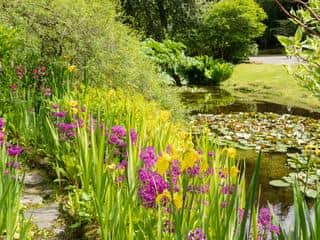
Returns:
(234, 171)
(163, 163)
(164, 116)
(177, 198)
(164, 195)
(231, 153)
(73, 106)
(72, 68)
(190, 157)
(187, 157)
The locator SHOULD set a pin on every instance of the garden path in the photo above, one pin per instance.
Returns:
(273, 59)
(41, 206)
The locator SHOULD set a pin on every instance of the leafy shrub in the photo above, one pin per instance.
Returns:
(207, 71)
(229, 28)
(171, 58)
(305, 45)
(9, 41)
(87, 35)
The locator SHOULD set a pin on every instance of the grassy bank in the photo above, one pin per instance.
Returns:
(266, 82)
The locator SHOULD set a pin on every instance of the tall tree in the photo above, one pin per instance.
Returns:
(161, 18)
(277, 23)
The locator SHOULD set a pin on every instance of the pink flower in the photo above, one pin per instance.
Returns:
(20, 72)
(47, 92)
(13, 88)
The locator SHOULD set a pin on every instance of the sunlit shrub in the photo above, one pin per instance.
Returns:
(171, 58)
(106, 52)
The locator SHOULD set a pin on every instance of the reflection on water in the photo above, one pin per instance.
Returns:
(213, 100)
(273, 165)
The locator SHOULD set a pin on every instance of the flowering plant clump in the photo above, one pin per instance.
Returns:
(197, 234)
(10, 162)
(160, 175)
(266, 228)
(68, 120)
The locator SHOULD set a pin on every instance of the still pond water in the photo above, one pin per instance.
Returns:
(222, 108)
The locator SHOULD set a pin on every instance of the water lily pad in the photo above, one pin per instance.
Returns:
(311, 193)
(279, 183)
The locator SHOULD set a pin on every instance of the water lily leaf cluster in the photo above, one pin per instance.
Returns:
(306, 166)
(272, 132)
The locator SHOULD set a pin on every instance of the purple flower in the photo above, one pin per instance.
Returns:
(204, 188)
(2, 137)
(264, 217)
(226, 189)
(114, 139)
(148, 157)
(1, 123)
(133, 135)
(80, 123)
(123, 164)
(210, 154)
(15, 164)
(120, 179)
(194, 171)
(197, 234)
(55, 106)
(275, 229)
(122, 143)
(224, 204)
(61, 114)
(175, 171)
(222, 174)
(209, 171)
(14, 150)
(120, 131)
(67, 130)
(265, 223)
(152, 184)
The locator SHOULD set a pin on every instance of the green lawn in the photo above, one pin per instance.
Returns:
(266, 82)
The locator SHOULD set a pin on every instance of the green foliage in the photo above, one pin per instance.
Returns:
(161, 19)
(305, 45)
(9, 41)
(171, 58)
(207, 71)
(277, 23)
(87, 35)
(229, 28)
(11, 216)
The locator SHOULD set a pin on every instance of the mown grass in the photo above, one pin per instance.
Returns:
(272, 83)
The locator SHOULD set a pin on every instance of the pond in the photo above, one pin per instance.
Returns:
(283, 132)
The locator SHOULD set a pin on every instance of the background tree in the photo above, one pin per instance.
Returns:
(277, 24)
(229, 28)
(161, 18)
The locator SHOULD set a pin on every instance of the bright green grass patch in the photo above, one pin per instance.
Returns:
(268, 82)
